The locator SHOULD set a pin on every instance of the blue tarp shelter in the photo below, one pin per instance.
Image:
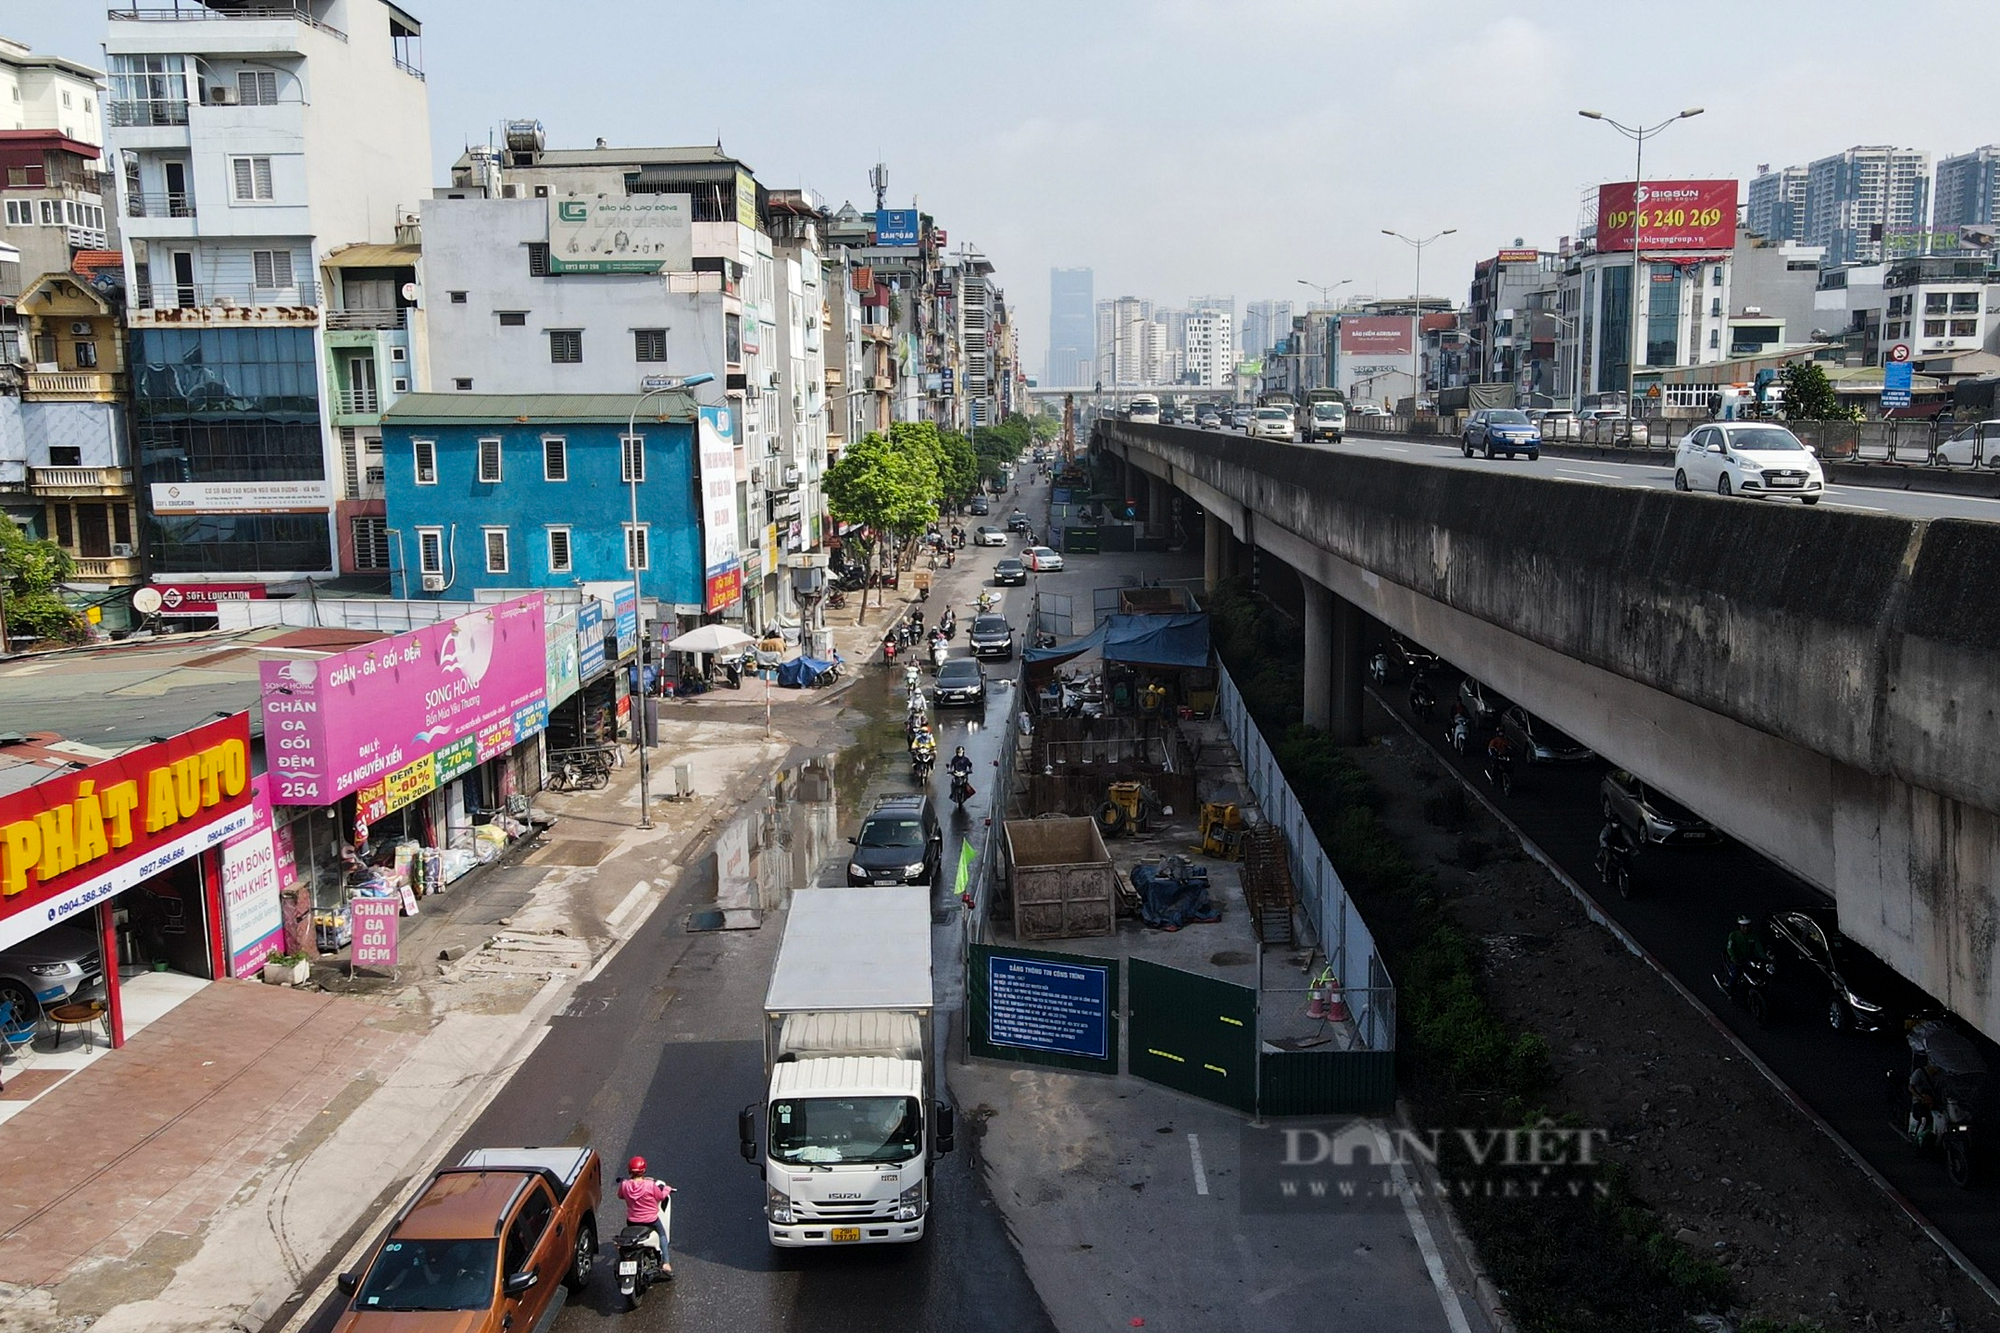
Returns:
(1177, 640)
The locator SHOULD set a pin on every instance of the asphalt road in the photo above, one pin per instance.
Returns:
(658, 1053)
(1685, 904)
(1657, 476)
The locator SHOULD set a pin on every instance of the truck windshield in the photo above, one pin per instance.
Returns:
(430, 1275)
(817, 1131)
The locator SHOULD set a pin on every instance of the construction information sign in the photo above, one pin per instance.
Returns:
(1038, 1004)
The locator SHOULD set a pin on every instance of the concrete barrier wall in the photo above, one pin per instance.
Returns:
(1824, 684)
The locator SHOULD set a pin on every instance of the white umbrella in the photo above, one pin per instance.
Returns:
(710, 639)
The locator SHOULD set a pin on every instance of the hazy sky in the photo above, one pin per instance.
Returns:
(1185, 147)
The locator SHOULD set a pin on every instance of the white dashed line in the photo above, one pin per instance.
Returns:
(1200, 1175)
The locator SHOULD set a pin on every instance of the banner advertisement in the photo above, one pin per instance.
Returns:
(722, 564)
(1375, 335)
(1517, 257)
(562, 669)
(589, 640)
(241, 497)
(199, 599)
(82, 836)
(625, 621)
(1673, 215)
(253, 875)
(896, 226)
(639, 233)
(336, 725)
(374, 931)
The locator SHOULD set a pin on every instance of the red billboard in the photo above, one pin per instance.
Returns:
(1375, 336)
(1673, 215)
(199, 599)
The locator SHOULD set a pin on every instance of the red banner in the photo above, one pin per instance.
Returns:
(199, 599)
(1375, 335)
(724, 589)
(1673, 215)
(75, 839)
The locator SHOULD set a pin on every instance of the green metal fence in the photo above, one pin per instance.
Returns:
(1192, 1033)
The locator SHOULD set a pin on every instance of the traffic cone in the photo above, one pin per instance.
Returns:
(1336, 1004)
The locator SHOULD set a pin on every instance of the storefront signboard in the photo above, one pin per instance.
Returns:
(253, 875)
(241, 497)
(338, 724)
(454, 761)
(374, 931)
(198, 599)
(589, 640)
(531, 722)
(73, 840)
(722, 562)
(563, 674)
(625, 616)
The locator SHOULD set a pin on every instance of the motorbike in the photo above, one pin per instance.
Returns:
(836, 600)
(961, 788)
(1749, 990)
(639, 1257)
(913, 681)
(1615, 858)
(987, 601)
(889, 647)
(949, 625)
(1957, 1080)
(1499, 773)
(1423, 702)
(1378, 668)
(1459, 734)
(923, 758)
(939, 653)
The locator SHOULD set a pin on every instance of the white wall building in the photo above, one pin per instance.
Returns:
(52, 184)
(1848, 195)
(1211, 350)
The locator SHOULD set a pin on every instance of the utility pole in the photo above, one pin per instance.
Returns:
(1417, 314)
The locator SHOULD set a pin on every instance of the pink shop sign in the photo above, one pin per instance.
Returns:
(374, 931)
(334, 725)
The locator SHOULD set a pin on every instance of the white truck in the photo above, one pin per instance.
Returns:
(851, 1122)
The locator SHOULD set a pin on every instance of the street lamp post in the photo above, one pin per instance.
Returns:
(1638, 134)
(1333, 338)
(651, 387)
(1417, 314)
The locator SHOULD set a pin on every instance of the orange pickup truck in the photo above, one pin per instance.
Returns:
(489, 1246)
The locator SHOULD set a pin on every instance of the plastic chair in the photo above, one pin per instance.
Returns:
(15, 1031)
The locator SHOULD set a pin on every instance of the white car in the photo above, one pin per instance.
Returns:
(1975, 446)
(1747, 458)
(1273, 423)
(989, 536)
(1042, 560)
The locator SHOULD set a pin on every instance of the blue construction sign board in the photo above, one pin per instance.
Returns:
(1896, 383)
(1038, 1004)
(895, 226)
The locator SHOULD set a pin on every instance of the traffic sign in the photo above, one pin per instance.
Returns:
(1896, 384)
(1899, 353)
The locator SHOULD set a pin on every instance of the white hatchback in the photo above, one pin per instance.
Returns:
(1748, 458)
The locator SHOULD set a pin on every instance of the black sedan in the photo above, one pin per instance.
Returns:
(979, 508)
(960, 681)
(1861, 992)
(992, 636)
(1010, 570)
(1017, 521)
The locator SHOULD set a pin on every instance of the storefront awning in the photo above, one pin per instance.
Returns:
(373, 256)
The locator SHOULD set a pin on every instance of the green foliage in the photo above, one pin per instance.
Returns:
(1809, 395)
(959, 466)
(33, 571)
(890, 482)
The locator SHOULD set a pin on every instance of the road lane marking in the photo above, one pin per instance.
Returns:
(1454, 1313)
(1394, 449)
(1200, 1176)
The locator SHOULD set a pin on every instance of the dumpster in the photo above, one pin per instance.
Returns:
(1064, 885)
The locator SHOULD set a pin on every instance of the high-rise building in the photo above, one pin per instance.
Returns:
(1776, 206)
(1853, 198)
(1122, 341)
(1211, 349)
(254, 143)
(1968, 190)
(1072, 327)
(1265, 325)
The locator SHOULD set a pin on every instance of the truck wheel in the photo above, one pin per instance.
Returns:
(585, 1258)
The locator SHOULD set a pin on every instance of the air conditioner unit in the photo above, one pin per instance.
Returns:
(793, 476)
(433, 583)
(221, 94)
(80, 328)
(122, 551)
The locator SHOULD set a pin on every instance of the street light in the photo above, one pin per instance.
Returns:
(1638, 134)
(1324, 288)
(1417, 314)
(651, 385)
(1333, 339)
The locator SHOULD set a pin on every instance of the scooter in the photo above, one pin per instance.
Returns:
(923, 758)
(1459, 734)
(961, 789)
(1422, 701)
(949, 625)
(940, 652)
(639, 1257)
(1499, 773)
(1750, 991)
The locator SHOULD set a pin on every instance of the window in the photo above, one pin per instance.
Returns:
(513, 319)
(1715, 337)
(1965, 303)
(273, 268)
(251, 177)
(1933, 328)
(463, 385)
(1935, 303)
(1715, 307)
(66, 527)
(559, 551)
(489, 461)
(257, 87)
(650, 344)
(51, 212)
(457, 298)
(430, 550)
(633, 449)
(370, 535)
(427, 466)
(526, 1233)
(538, 259)
(635, 546)
(496, 550)
(65, 455)
(565, 346)
(20, 212)
(1965, 328)
(1715, 276)
(555, 459)
(86, 356)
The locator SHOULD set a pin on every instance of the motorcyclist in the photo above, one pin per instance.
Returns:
(948, 622)
(1742, 947)
(1422, 698)
(643, 1196)
(960, 766)
(1923, 1100)
(1500, 751)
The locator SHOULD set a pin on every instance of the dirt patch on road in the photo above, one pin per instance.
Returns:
(1734, 1170)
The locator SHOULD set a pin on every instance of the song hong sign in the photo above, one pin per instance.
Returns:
(1673, 215)
(69, 842)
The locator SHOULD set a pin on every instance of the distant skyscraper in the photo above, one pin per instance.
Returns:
(1968, 190)
(1849, 195)
(1776, 207)
(1211, 350)
(1072, 328)
(1265, 325)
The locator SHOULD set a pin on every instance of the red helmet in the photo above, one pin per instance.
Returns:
(637, 1166)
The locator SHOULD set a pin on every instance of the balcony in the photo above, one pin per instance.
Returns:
(72, 386)
(106, 568)
(79, 483)
(146, 112)
(366, 319)
(180, 205)
(359, 403)
(198, 10)
(224, 303)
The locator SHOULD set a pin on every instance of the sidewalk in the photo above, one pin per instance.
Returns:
(219, 1167)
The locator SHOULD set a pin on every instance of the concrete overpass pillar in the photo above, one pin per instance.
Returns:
(1158, 499)
(1336, 632)
(1213, 534)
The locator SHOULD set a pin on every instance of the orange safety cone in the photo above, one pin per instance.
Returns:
(1336, 1004)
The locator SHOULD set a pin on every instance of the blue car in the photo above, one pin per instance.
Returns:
(1501, 430)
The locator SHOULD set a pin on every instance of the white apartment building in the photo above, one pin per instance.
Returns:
(1775, 204)
(52, 182)
(1848, 195)
(1211, 350)
(250, 142)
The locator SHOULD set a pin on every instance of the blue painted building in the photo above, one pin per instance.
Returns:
(531, 491)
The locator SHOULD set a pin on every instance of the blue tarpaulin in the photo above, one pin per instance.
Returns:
(1178, 640)
(800, 671)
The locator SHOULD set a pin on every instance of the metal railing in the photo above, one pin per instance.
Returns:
(51, 479)
(359, 402)
(128, 112)
(410, 69)
(366, 319)
(162, 205)
(196, 10)
(188, 296)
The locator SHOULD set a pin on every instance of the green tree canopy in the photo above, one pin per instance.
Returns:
(33, 571)
(889, 482)
(1809, 395)
(960, 468)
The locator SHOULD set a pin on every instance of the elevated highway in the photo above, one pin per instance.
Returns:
(1822, 684)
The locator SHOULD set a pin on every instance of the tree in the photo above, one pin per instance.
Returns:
(1809, 395)
(33, 571)
(959, 470)
(890, 483)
